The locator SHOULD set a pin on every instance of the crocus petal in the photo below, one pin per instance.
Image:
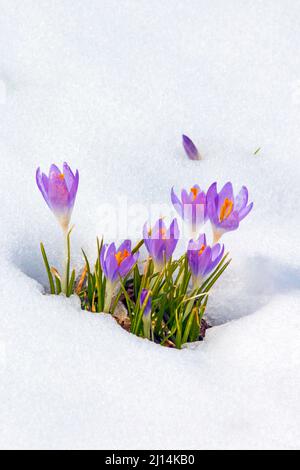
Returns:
(173, 232)
(58, 193)
(216, 251)
(73, 191)
(54, 170)
(176, 203)
(126, 245)
(126, 266)
(200, 198)
(196, 245)
(110, 262)
(231, 223)
(204, 260)
(69, 176)
(42, 183)
(225, 193)
(241, 199)
(244, 212)
(158, 230)
(144, 295)
(158, 251)
(216, 255)
(212, 199)
(102, 259)
(185, 197)
(190, 148)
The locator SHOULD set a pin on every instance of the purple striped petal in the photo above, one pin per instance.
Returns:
(244, 212)
(190, 148)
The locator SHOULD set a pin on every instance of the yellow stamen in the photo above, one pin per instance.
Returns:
(163, 233)
(226, 209)
(195, 192)
(201, 250)
(121, 256)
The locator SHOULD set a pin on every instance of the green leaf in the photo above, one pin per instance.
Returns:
(57, 281)
(137, 247)
(189, 325)
(50, 277)
(71, 284)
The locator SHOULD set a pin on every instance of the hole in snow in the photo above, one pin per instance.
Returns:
(249, 286)
(245, 288)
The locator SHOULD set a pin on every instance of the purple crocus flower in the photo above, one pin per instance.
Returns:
(203, 258)
(160, 242)
(192, 207)
(117, 263)
(148, 306)
(59, 190)
(226, 211)
(190, 148)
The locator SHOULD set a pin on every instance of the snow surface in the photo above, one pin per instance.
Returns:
(110, 86)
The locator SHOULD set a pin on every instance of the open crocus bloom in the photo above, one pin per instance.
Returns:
(160, 242)
(203, 258)
(59, 190)
(192, 207)
(226, 211)
(117, 263)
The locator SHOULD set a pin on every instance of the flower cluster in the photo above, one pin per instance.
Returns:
(167, 299)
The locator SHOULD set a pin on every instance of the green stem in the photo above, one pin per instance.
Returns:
(108, 297)
(67, 259)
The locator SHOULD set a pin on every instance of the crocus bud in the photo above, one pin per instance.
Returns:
(59, 190)
(161, 242)
(190, 148)
(146, 303)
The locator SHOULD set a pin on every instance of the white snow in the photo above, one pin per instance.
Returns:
(110, 86)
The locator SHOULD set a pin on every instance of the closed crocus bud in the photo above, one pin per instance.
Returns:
(225, 210)
(59, 190)
(146, 295)
(146, 303)
(161, 242)
(190, 148)
(203, 259)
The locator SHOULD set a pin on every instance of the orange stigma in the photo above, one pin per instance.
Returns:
(201, 250)
(226, 209)
(61, 176)
(195, 192)
(163, 233)
(121, 256)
